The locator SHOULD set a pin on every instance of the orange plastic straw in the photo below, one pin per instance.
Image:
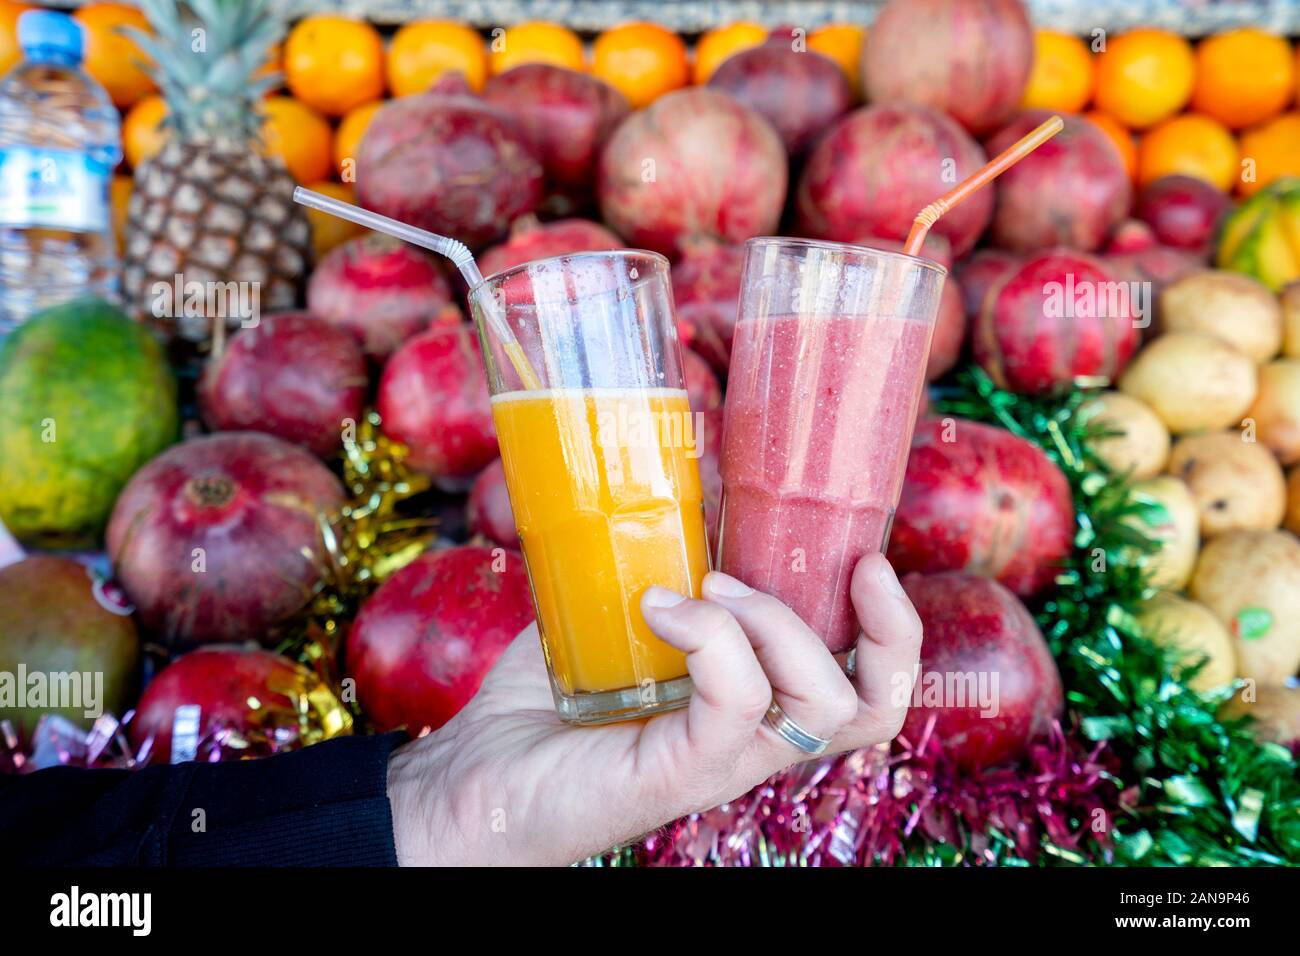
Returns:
(928, 216)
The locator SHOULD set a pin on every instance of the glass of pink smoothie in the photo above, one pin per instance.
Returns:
(827, 368)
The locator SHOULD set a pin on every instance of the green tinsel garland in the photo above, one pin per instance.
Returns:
(1207, 791)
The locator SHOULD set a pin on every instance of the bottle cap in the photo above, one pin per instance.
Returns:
(42, 33)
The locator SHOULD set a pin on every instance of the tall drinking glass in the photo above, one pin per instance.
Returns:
(827, 367)
(600, 466)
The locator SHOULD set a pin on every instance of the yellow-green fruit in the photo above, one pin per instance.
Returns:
(1171, 519)
(1190, 626)
(1274, 710)
(1276, 411)
(1228, 305)
(1193, 381)
(1141, 445)
(88, 399)
(1236, 483)
(1261, 238)
(1290, 302)
(1251, 581)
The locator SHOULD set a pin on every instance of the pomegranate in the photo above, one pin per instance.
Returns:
(879, 166)
(706, 291)
(969, 58)
(801, 93)
(222, 682)
(449, 162)
(293, 376)
(433, 397)
(381, 290)
(1157, 267)
(693, 165)
(488, 509)
(987, 678)
(1131, 235)
(1071, 191)
(218, 538)
(1184, 212)
(977, 274)
(1061, 316)
(977, 498)
(531, 240)
(425, 640)
(567, 117)
(702, 388)
(55, 616)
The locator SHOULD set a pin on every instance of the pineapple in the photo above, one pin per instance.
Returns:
(213, 207)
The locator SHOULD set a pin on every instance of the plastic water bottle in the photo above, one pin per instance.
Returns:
(59, 143)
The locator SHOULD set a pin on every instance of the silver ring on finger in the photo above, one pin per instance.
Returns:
(792, 733)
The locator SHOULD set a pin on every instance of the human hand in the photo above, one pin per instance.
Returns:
(507, 782)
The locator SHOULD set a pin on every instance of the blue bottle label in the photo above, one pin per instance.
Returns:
(53, 189)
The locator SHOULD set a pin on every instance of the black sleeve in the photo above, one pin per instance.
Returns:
(321, 806)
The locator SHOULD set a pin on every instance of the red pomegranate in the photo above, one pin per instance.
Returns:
(488, 509)
(879, 166)
(706, 291)
(693, 165)
(987, 679)
(433, 397)
(801, 93)
(423, 642)
(240, 695)
(1129, 236)
(980, 272)
(1071, 191)
(977, 498)
(1061, 316)
(449, 162)
(703, 390)
(381, 290)
(1183, 211)
(969, 58)
(531, 240)
(1156, 266)
(567, 117)
(218, 538)
(293, 376)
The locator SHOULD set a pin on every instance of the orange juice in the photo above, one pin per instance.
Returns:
(607, 500)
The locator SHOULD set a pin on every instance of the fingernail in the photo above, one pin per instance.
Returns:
(889, 580)
(661, 597)
(724, 585)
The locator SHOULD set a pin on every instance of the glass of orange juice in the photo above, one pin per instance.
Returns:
(600, 460)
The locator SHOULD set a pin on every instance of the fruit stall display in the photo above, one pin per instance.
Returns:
(1102, 501)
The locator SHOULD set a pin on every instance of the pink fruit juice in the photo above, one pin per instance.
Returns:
(819, 417)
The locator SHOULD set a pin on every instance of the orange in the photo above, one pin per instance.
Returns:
(1190, 145)
(643, 61)
(1273, 150)
(142, 130)
(348, 136)
(421, 52)
(1062, 77)
(1119, 137)
(112, 58)
(1243, 77)
(10, 53)
(333, 64)
(721, 42)
(537, 42)
(300, 136)
(329, 231)
(842, 42)
(1144, 77)
(119, 199)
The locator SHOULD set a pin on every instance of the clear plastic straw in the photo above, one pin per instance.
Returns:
(453, 249)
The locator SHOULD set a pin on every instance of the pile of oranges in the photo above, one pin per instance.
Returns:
(1225, 109)
(1216, 110)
